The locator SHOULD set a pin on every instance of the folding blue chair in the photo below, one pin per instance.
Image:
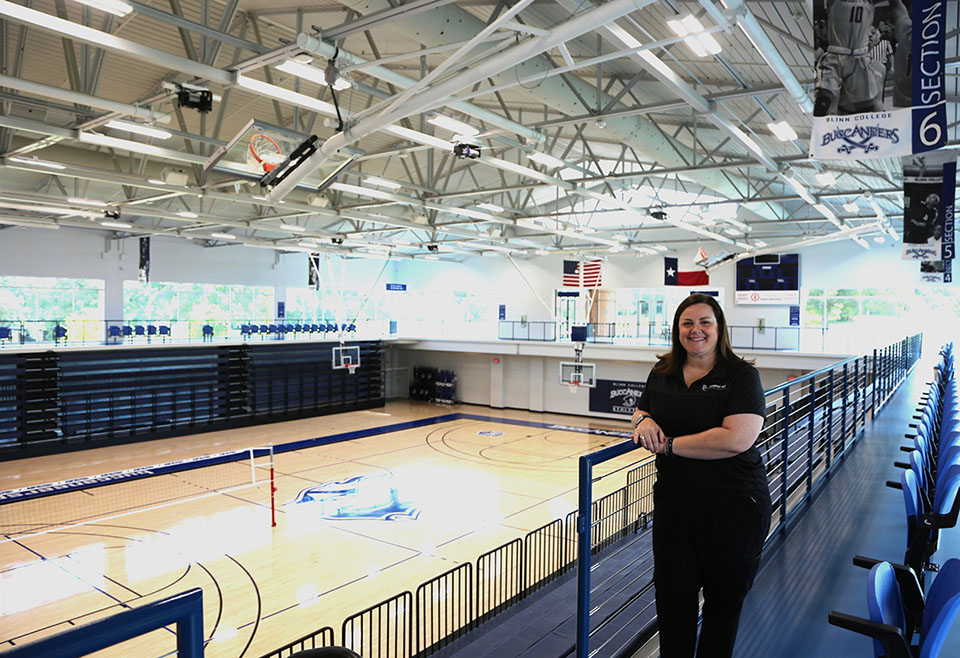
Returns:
(151, 331)
(207, 330)
(113, 331)
(140, 330)
(59, 333)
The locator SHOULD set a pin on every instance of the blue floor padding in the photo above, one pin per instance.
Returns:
(810, 572)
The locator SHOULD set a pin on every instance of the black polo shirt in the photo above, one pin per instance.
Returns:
(728, 389)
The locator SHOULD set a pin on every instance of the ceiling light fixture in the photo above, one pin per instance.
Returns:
(223, 236)
(140, 129)
(313, 74)
(383, 182)
(36, 162)
(293, 228)
(879, 239)
(545, 159)
(116, 225)
(458, 127)
(156, 181)
(492, 207)
(697, 39)
(115, 7)
(825, 178)
(782, 131)
(87, 202)
(187, 214)
(851, 206)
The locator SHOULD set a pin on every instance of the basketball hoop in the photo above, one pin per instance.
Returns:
(573, 386)
(265, 152)
(352, 369)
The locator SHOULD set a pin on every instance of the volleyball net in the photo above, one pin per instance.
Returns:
(55, 506)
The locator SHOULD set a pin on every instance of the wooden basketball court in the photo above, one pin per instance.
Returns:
(420, 501)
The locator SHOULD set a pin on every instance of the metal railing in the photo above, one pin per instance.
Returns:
(783, 339)
(184, 609)
(811, 423)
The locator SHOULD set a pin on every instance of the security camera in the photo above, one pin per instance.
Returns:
(658, 214)
(433, 247)
(465, 151)
(336, 240)
(112, 214)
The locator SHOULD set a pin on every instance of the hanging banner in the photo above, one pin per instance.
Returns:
(936, 271)
(143, 274)
(928, 199)
(313, 277)
(879, 78)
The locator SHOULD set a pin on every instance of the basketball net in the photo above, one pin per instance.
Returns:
(264, 153)
(573, 386)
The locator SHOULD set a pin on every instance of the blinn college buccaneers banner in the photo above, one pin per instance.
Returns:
(879, 67)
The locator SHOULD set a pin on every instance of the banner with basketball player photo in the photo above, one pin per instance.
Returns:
(929, 186)
(879, 68)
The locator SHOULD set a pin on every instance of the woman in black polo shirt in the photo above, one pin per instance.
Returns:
(701, 412)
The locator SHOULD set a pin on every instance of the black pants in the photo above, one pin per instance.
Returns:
(708, 540)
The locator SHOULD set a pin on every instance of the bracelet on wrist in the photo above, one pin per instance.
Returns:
(669, 449)
(640, 419)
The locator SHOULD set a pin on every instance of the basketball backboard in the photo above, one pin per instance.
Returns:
(261, 150)
(346, 356)
(573, 373)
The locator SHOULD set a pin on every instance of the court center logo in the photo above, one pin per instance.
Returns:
(364, 497)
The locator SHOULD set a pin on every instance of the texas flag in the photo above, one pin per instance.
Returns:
(673, 277)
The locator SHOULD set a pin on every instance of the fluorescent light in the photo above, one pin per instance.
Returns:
(659, 247)
(879, 239)
(140, 129)
(459, 127)
(279, 93)
(258, 197)
(156, 181)
(383, 182)
(223, 236)
(851, 206)
(686, 25)
(188, 214)
(760, 243)
(707, 42)
(38, 163)
(733, 231)
(825, 178)
(87, 202)
(116, 225)
(783, 131)
(545, 159)
(293, 228)
(115, 7)
(430, 258)
(492, 207)
(312, 73)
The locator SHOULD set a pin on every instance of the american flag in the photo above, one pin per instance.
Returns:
(591, 273)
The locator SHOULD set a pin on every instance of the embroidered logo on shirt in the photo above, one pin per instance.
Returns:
(713, 387)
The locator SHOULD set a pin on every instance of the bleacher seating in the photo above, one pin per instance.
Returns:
(164, 331)
(59, 333)
(139, 330)
(930, 484)
(207, 331)
(151, 331)
(6, 333)
(114, 332)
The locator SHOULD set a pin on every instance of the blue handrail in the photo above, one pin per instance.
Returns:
(184, 609)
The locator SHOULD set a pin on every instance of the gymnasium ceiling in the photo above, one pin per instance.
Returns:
(656, 149)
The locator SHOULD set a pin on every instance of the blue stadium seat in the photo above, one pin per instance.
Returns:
(140, 330)
(314, 328)
(207, 332)
(127, 330)
(59, 333)
(264, 329)
(253, 329)
(298, 328)
(151, 330)
(331, 327)
(6, 333)
(164, 331)
(244, 330)
(272, 328)
(113, 331)
(892, 626)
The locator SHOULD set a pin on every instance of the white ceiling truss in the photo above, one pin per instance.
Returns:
(648, 145)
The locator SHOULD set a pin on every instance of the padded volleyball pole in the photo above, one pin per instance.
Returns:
(273, 493)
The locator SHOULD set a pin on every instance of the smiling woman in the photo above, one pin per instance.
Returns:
(701, 413)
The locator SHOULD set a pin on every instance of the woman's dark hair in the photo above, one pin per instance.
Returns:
(671, 362)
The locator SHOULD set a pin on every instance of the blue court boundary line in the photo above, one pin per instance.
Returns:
(36, 491)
